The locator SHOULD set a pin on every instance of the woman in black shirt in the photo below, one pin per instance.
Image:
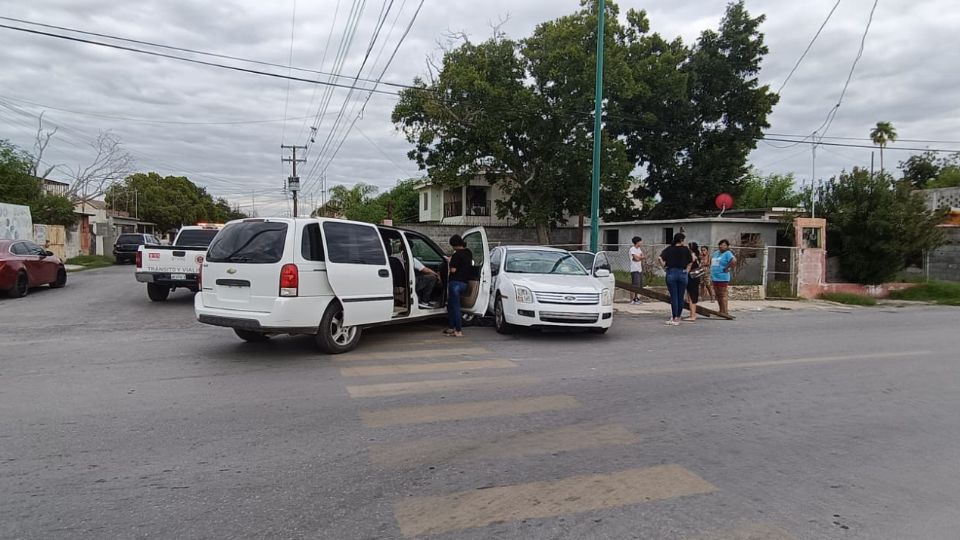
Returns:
(461, 272)
(676, 259)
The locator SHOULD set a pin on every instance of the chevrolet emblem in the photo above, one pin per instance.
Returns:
(231, 271)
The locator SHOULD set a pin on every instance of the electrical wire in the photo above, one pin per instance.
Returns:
(188, 50)
(190, 60)
(149, 120)
(286, 99)
(825, 127)
(812, 41)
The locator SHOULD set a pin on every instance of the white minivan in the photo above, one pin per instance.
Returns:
(325, 277)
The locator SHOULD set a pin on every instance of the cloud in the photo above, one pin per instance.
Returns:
(901, 78)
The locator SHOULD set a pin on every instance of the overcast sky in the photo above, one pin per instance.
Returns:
(223, 129)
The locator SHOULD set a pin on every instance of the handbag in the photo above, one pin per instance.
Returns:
(696, 274)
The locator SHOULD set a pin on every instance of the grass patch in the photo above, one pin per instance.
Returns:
(849, 299)
(940, 292)
(648, 280)
(780, 289)
(91, 261)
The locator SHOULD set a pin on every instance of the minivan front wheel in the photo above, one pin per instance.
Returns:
(332, 336)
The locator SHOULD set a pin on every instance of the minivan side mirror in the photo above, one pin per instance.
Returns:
(601, 273)
(48, 253)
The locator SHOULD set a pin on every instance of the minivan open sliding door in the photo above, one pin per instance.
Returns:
(358, 271)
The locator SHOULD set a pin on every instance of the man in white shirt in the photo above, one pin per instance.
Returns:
(427, 279)
(636, 266)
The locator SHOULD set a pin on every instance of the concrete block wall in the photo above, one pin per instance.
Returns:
(943, 263)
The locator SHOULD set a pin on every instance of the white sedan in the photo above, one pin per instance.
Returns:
(544, 287)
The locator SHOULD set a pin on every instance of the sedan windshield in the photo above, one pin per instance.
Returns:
(542, 262)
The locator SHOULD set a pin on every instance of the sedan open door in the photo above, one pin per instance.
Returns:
(477, 298)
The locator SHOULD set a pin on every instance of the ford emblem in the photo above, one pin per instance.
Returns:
(569, 298)
(231, 271)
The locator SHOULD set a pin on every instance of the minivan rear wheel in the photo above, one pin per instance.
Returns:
(332, 336)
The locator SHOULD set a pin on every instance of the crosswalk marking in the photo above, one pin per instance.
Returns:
(441, 449)
(770, 363)
(461, 411)
(416, 353)
(441, 385)
(435, 367)
(481, 507)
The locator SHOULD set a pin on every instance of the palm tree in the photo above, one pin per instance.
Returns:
(882, 134)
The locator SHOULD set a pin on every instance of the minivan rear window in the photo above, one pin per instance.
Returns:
(196, 237)
(249, 242)
(130, 239)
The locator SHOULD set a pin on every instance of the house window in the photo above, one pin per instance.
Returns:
(426, 201)
(453, 203)
(611, 240)
(751, 244)
(477, 202)
(668, 235)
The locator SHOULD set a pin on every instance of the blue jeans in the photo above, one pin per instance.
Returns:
(677, 286)
(457, 288)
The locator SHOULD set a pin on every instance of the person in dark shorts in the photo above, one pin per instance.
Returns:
(636, 266)
(461, 271)
(693, 282)
(721, 263)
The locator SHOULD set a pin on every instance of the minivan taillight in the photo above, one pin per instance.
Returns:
(139, 259)
(289, 280)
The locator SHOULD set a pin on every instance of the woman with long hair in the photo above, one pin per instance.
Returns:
(693, 282)
(676, 259)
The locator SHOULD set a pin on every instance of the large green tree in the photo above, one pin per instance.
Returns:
(695, 112)
(769, 191)
(876, 225)
(168, 201)
(927, 170)
(517, 112)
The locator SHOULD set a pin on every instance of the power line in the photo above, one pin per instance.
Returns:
(382, 73)
(323, 58)
(286, 99)
(148, 120)
(185, 49)
(863, 40)
(190, 60)
(939, 141)
(873, 147)
(802, 56)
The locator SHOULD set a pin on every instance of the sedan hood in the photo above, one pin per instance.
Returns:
(557, 283)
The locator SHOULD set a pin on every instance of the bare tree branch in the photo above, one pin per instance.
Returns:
(41, 141)
(111, 164)
(497, 27)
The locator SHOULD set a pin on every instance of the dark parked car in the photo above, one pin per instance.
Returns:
(24, 264)
(126, 246)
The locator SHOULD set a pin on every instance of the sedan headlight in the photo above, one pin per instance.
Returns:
(524, 295)
(606, 298)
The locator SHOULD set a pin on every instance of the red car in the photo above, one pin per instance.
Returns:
(24, 264)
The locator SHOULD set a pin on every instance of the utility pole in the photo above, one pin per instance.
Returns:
(597, 110)
(813, 177)
(293, 182)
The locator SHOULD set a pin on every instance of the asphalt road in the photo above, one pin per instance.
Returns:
(123, 418)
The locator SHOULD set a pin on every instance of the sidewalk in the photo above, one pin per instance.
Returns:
(654, 306)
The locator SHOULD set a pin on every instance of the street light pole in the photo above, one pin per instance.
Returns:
(597, 110)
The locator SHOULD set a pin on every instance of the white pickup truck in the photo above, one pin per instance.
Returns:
(166, 268)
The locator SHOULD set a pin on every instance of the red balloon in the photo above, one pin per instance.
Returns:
(724, 201)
